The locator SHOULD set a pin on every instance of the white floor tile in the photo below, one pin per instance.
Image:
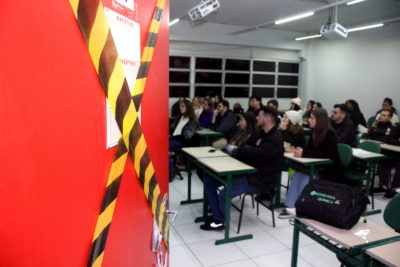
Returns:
(186, 215)
(261, 244)
(285, 235)
(174, 239)
(318, 256)
(182, 257)
(191, 233)
(281, 259)
(245, 263)
(209, 254)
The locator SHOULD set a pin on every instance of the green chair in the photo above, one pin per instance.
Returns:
(345, 154)
(358, 140)
(391, 214)
(306, 140)
(371, 121)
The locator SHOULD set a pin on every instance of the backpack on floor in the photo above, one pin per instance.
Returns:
(335, 204)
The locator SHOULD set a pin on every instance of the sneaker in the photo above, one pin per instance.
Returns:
(389, 193)
(285, 215)
(378, 190)
(213, 225)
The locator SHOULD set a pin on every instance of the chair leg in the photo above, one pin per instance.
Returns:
(258, 209)
(241, 212)
(252, 200)
(273, 217)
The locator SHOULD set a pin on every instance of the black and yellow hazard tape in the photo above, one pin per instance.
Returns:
(93, 24)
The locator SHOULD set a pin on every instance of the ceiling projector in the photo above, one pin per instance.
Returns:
(203, 9)
(334, 31)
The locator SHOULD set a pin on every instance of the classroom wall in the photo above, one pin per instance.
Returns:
(364, 67)
(53, 158)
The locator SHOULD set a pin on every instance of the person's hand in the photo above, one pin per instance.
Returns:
(298, 152)
(288, 147)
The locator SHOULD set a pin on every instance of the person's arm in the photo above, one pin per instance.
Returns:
(327, 149)
(394, 138)
(227, 123)
(348, 135)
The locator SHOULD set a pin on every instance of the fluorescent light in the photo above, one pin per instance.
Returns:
(173, 22)
(308, 37)
(365, 27)
(354, 2)
(300, 16)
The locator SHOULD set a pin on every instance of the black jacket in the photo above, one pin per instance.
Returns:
(327, 149)
(263, 151)
(358, 118)
(188, 137)
(297, 140)
(345, 132)
(381, 132)
(225, 124)
(394, 138)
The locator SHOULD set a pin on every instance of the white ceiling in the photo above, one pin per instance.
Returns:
(250, 13)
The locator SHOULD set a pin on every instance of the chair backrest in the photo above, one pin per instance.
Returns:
(391, 215)
(358, 139)
(370, 146)
(306, 140)
(345, 154)
(371, 121)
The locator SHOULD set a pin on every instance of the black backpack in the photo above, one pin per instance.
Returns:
(335, 204)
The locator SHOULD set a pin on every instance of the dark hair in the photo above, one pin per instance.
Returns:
(296, 107)
(209, 103)
(390, 112)
(273, 102)
(258, 98)
(294, 129)
(322, 126)
(251, 121)
(312, 102)
(388, 100)
(354, 104)
(269, 111)
(225, 103)
(189, 111)
(342, 107)
(319, 105)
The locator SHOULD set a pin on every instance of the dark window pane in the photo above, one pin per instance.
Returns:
(263, 79)
(207, 90)
(288, 80)
(177, 91)
(179, 76)
(209, 63)
(237, 78)
(237, 64)
(287, 92)
(208, 77)
(236, 92)
(263, 91)
(264, 66)
(289, 67)
(179, 62)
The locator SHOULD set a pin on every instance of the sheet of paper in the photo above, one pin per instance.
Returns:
(359, 151)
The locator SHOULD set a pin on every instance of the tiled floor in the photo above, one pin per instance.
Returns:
(192, 247)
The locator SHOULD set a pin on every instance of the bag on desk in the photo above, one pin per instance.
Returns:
(335, 204)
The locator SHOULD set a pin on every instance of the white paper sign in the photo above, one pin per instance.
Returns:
(126, 36)
(126, 3)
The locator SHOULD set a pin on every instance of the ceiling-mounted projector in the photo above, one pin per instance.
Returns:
(334, 31)
(203, 9)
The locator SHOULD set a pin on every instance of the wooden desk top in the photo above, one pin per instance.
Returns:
(206, 131)
(204, 152)
(361, 233)
(227, 165)
(370, 140)
(388, 254)
(308, 161)
(364, 155)
(391, 147)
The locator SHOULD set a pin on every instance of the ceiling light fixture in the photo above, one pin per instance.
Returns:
(174, 22)
(354, 2)
(308, 37)
(365, 27)
(300, 16)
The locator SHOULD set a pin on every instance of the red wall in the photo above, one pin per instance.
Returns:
(53, 161)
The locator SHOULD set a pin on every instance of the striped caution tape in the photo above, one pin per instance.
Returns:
(91, 18)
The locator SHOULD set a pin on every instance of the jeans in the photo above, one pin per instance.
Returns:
(173, 145)
(299, 181)
(217, 202)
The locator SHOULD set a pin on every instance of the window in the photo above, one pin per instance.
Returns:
(208, 77)
(237, 64)
(289, 67)
(202, 91)
(209, 63)
(264, 91)
(266, 66)
(287, 92)
(179, 62)
(231, 91)
(288, 80)
(237, 78)
(178, 91)
(263, 79)
(179, 77)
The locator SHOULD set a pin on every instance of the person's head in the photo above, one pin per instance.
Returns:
(181, 99)
(310, 105)
(255, 102)
(385, 116)
(267, 117)
(207, 104)
(196, 101)
(223, 107)
(237, 106)
(339, 113)
(218, 98)
(186, 109)
(295, 104)
(352, 105)
(319, 121)
(247, 121)
(387, 104)
(292, 121)
(273, 103)
(317, 105)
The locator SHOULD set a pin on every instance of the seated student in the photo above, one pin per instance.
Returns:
(385, 167)
(343, 126)
(307, 113)
(175, 111)
(317, 105)
(264, 151)
(237, 109)
(273, 103)
(295, 105)
(197, 107)
(217, 99)
(322, 144)
(255, 104)
(207, 114)
(387, 105)
(381, 128)
(291, 130)
(355, 113)
(223, 121)
(247, 123)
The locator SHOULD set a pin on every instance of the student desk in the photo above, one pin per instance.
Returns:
(388, 254)
(344, 243)
(391, 151)
(193, 154)
(392, 148)
(205, 134)
(225, 170)
(306, 165)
